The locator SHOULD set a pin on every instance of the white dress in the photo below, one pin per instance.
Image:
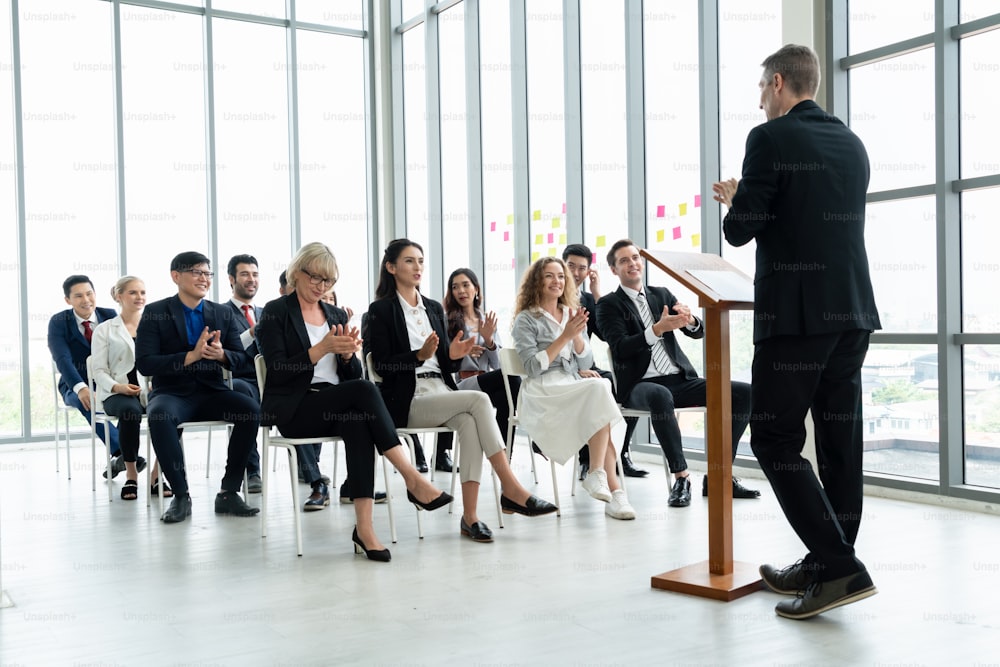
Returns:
(559, 409)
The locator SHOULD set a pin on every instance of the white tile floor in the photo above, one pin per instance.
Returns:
(108, 584)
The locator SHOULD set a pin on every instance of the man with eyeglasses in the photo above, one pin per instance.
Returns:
(183, 343)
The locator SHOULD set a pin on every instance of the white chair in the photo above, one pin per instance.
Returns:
(97, 415)
(409, 433)
(289, 445)
(64, 410)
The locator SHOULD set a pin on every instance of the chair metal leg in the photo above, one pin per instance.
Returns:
(454, 468)
(555, 487)
(69, 466)
(413, 460)
(388, 500)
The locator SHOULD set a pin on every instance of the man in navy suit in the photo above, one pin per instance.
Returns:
(69, 343)
(802, 197)
(653, 372)
(244, 279)
(183, 343)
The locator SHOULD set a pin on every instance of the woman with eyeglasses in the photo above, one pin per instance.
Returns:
(314, 387)
(407, 337)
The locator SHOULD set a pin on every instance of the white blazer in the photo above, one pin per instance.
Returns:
(112, 352)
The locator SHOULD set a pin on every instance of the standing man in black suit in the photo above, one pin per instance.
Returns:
(183, 343)
(652, 370)
(802, 197)
(578, 259)
(244, 279)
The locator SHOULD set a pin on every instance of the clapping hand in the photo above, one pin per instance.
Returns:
(429, 347)
(460, 348)
(488, 327)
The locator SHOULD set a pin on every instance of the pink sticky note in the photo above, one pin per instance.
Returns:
(697, 201)
(550, 238)
(506, 236)
(661, 210)
(593, 260)
(493, 226)
(564, 207)
(677, 233)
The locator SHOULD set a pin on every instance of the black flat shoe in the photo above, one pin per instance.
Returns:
(477, 532)
(382, 555)
(180, 509)
(437, 503)
(229, 502)
(535, 506)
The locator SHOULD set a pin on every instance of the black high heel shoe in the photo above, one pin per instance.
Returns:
(382, 555)
(440, 501)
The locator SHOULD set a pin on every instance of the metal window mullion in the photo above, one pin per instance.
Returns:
(396, 180)
(294, 195)
(474, 138)
(635, 124)
(116, 32)
(573, 113)
(22, 232)
(212, 202)
(371, 133)
(519, 136)
(837, 79)
(435, 216)
(708, 92)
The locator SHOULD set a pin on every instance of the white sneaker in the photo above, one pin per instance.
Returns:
(596, 484)
(619, 507)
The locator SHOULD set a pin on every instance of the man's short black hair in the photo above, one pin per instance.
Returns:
(188, 260)
(75, 279)
(240, 259)
(283, 280)
(618, 245)
(578, 250)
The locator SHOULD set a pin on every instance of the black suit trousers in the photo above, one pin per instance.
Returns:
(792, 374)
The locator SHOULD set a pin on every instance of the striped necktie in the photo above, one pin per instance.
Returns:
(661, 360)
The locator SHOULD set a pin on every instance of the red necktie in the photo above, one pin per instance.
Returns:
(88, 333)
(248, 311)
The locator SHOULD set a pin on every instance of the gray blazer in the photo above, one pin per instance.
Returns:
(532, 334)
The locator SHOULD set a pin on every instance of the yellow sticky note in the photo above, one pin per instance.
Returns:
(538, 239)
(510, 218)
(683, 208)
(537, 215)
(562, 239)
(552, 252)
(555, 222)
(696, 240)
(602, 241)
(534, 257)
(659, 235)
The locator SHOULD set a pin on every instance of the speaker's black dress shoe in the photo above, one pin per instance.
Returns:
(680, 495)
(534, 506)
(230, 502)
(629, 468)
(739, 491)
(380, 555)
(319, 498)
(438, 502)
(443, 462)
(180, 509)
(477, 532)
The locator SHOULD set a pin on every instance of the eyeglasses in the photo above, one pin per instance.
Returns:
(317, 280)
(198, 273)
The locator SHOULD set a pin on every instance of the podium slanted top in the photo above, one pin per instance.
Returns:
(716, 282)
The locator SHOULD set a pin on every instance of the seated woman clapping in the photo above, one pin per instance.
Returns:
(563, 402)
(408, 340)
(314, 387)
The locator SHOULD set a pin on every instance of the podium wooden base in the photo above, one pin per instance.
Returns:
(698, 580)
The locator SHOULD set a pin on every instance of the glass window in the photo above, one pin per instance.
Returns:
(981, 388)
(69, 166)
(341, 13)
(10, 338)
(980, 73)
(415, 141)
(874, 23)
(333, 171)
(546, 127)
(892, 110)
(251, 136)
(977, 9)
(163, 110)
(900, 407)
(980, 263)
(454, 140)
(270, 8)
(500, 281)
(900, 238)
(412, 8)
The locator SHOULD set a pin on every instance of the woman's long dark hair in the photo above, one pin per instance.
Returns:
(386, 281)
(453, 311)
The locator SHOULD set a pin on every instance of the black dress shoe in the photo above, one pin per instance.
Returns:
(229, 502)
(438, 502)
(345, 497)
(739, 491)
(180, 509)
(443, 462)
(418, 455)
(319, 498)
(584, 469)
(140, 464)
(380, 555)
(680, 495)
(534, 506)
(254, 483)
(117, 466)
(629, 468)
(477, 532)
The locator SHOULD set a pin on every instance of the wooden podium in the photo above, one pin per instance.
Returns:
(720, 287)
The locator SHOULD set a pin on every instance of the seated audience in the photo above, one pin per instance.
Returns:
(408, 340)
(563, 401)
(314, 387)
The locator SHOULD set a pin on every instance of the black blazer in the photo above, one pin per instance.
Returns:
(69, 348)
(386, 338)
(802, 196)
(240, 320)
(284, 342)
(588, 302)
(161, 345)
(626, 336)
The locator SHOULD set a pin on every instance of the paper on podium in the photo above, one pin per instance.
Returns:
(728, 285)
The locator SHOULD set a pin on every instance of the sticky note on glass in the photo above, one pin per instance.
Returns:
(537, 215)
(661, 211)
(683, 208)
(659, 234)
(510, 218)
(550, 239)
(697, 201)
(677, 233)
(562, 239)
(534, 256)
(552, 252)
(493, 226)
(555, 223)
(564, 208)
(696, 240)
(506, 236)
(538, 239)
(602, 241)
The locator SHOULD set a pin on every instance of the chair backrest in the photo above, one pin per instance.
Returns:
(510, 364)
(261, 368)
(95, 407)
(611, 369)
(370, 365)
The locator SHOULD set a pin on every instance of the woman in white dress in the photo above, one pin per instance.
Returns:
(563, 402)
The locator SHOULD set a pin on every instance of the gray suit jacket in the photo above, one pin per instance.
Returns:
(533, 333)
